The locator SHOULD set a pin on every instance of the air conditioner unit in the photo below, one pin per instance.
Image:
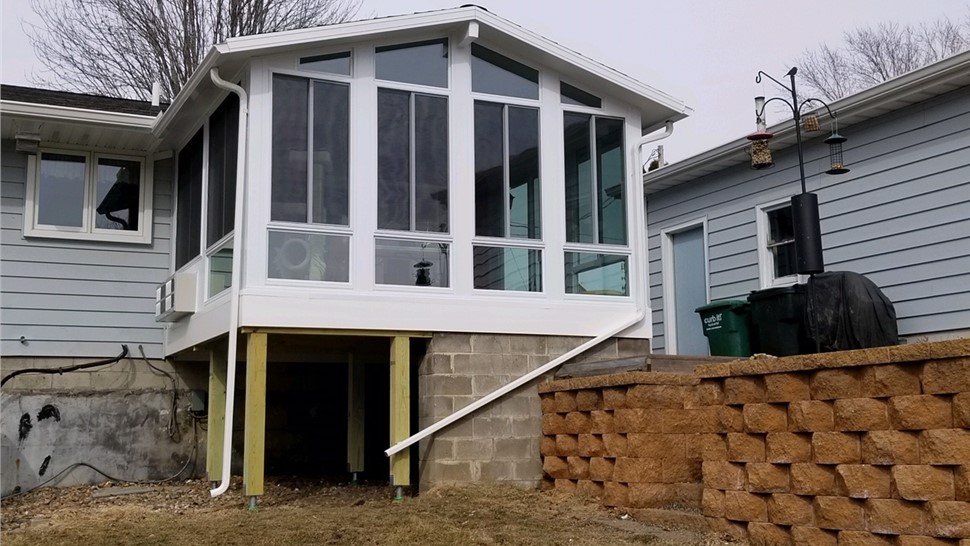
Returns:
(175, 298)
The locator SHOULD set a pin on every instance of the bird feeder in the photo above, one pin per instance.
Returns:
(760, 152)
(810, 122)
(837, 164)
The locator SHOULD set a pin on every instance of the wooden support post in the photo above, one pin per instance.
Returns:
(255, 433)
(355, 415)
(400, 407)
(215, 439)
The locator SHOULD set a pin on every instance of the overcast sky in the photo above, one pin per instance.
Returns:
(704, 52)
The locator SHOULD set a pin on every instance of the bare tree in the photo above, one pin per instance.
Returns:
(871, 55)
(120, 47)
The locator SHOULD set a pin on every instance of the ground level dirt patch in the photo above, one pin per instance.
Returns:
(304, 512)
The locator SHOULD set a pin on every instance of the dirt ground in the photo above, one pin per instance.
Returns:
(305, 512)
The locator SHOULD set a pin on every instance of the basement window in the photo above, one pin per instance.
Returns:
(88, 196)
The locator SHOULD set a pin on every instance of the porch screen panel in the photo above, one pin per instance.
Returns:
(609, 181)
(524, 202)
(188, 217)
(331, 121)
(290, 144)
(223, 150)
(430, 163)
(579, 178)
(489, 170)
(394, 159)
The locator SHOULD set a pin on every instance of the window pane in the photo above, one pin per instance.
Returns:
(331, 119)
(499, 75)
(223, 137)
(781, 226)
(188, 225)
(784, 259)
(524, 202)
(579, 178)
(517, 269)
(603, 274)
(220, 270)
(424, 63)
(612, 205)
(489, 170)
(118, 189)
(61, 193)
(393, 159)
(411, 263)
(336, 63)
(430, 163)
(309, 256)
(290, 115)
(578, 97)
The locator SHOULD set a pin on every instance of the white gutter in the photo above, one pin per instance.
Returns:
(502, 391)
(79, 115)
(241, 155)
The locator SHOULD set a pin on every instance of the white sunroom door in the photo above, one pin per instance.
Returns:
(689, 290)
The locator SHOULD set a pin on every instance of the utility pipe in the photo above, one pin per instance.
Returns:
(237, 261)
(502, 391)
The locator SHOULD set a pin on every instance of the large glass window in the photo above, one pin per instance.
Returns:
(601, 274)
(594, 169)
(412, 159)
(411, 263)
(188, 215)
(497, 74)
(334, 63)
(508, 268)
(310, 175)
(507, 200)
(309, 256)
(779, 243)
(88, 196)
(422, 63)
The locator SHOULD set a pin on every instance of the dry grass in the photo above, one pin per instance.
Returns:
(308, 513)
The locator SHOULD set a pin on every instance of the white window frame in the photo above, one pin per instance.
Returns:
(766, 260)
(87, 231)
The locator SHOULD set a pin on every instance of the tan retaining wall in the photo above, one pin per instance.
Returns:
(866, 447)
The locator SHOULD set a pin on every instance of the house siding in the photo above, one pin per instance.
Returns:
(901, 217)
(78, 298)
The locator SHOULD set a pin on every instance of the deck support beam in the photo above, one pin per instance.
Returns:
(255, 432)
(400, 408)
(218, 369)
(356, 404)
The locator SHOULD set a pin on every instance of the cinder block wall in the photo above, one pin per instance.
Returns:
(499, 443)
(859, 447)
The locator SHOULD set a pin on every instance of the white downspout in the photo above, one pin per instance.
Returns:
(237, 261)
(502, 391)
(652, 137)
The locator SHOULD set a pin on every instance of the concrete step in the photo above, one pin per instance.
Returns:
(645, 363)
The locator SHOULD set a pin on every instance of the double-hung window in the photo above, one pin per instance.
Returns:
(597, 252)
(412, 245)
(309, 237)
(508, 245)
(776, 244)
(88, 195)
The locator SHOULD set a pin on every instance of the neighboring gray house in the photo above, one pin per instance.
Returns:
(379, 221)
(717, 229)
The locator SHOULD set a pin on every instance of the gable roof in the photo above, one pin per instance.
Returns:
(655, 107)
(916, 86)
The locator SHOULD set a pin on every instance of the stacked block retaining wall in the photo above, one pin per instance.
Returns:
(857, 447)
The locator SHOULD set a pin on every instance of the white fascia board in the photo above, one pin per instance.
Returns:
(75, 115)
(926, 79)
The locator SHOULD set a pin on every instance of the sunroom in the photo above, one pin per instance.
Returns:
(401, 177)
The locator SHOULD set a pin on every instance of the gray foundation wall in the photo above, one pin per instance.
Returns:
(116, 418)
(500, 442)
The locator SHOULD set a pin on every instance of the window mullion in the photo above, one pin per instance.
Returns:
(412, 175)
(90, 192)
(506, 182)
(594, 181)
(309, 153)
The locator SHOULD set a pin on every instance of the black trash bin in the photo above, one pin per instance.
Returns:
(727, 327)
(778, 321)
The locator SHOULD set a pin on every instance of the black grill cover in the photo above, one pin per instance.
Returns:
(845, 310)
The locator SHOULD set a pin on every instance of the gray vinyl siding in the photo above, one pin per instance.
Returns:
(901, 216)
(78, 298)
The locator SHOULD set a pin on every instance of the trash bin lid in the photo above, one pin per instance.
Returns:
(722, 305)
(776, 291)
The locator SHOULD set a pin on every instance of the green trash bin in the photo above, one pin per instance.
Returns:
(727, 327)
